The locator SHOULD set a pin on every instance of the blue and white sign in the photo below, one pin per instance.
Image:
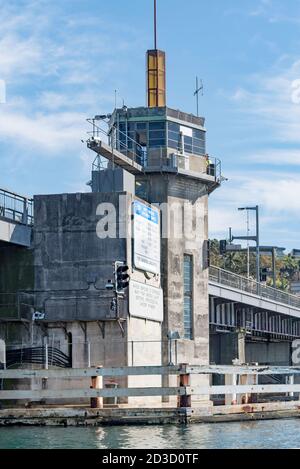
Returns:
(146, 232)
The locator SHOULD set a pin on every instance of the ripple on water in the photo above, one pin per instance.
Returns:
(264, 434)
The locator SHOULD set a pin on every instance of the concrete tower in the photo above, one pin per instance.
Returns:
(165, 150)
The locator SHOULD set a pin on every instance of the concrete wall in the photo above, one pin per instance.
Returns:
(175, 192)
(144, 349)
(71, 261)
(16, 273)
(269, 353)
(72, 265)
(113, 180)
(225, 347)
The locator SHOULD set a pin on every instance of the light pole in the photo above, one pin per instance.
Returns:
(252, 238)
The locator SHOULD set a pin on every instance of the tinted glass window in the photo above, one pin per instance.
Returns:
(173, 144)
(156, 125)
(174, 136)
(188, 140)
(173, 126)
(156, 134)
(157, 142)
(198, 134)
(141, 126)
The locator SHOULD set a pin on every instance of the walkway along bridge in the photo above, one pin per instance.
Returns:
(237, 302)
(16, 218)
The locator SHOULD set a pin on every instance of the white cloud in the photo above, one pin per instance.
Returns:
(275, 11)
(55, 66)
(277, 194)
(18, 56)
(280, 157)
(271, 98)
(262, 8)
(49, 133)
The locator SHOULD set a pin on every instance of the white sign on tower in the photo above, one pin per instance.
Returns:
(146, 232)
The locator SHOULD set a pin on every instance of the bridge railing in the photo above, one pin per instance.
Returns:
(250, 285)
(16, 207)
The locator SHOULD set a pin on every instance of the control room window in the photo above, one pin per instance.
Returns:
(188, 296)
(157, 134)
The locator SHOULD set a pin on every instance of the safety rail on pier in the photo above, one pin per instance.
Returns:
(241, 380)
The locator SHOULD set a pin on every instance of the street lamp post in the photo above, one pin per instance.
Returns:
(257, 244)
(252, 238)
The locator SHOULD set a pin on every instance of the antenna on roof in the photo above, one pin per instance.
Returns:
(155, 25)
(199, 89)
(156, 72)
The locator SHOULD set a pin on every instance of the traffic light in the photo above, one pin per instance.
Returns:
(223, 246)
(121, 276)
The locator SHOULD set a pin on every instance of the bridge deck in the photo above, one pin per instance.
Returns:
(16, 218)
(239, 289)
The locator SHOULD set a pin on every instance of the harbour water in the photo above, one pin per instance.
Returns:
(262, 434)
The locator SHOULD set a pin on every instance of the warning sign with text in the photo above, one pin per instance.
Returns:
(146, 232)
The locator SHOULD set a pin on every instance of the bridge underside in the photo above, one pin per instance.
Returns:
(250, 334)
(15, 233)
(228, 316)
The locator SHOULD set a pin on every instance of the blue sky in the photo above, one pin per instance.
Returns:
(62, 61)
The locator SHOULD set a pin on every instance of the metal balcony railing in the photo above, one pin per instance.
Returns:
(249, 285)
(154, 158)
(16, 207)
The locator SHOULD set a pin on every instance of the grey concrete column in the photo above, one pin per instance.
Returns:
(2, 354)
(241, 347)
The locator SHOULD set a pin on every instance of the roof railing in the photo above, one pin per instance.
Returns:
(126, 145)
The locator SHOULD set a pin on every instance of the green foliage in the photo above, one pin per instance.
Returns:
(236, 262)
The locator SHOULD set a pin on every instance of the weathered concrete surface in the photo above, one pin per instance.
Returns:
(84, 416)
(69, 256)
(113, 180)
(224, 348)
(143, 353)
(16, 273)
(175, 192)
(76, 416)
(271, 353)
(2, 354)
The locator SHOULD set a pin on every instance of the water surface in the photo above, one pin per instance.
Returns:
(263, 434)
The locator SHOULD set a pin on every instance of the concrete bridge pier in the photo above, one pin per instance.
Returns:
(226, 347)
